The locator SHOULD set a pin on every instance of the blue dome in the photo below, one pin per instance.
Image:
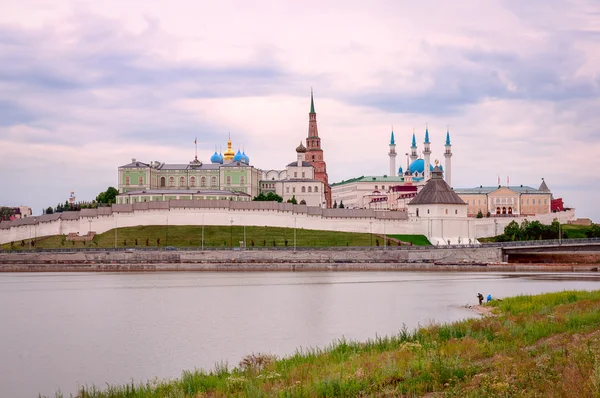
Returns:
(419, 166)
(215, 158)
(238, 157)
(246, 158)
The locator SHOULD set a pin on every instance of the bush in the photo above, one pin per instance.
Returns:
(480, 214)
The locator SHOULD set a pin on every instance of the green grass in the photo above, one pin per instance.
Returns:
(417, 240)
(535, 346)
(216, 237)
(575, 231)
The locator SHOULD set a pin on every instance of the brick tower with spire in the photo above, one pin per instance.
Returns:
(314, 153)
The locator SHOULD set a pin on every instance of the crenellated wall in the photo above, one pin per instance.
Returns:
(182, 212)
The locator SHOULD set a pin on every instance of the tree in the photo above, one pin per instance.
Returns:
(341, 204)
(335, 204)
(513, 231)
(107, 197)
(479, 214)
(594, 231)
(6, 213)
(293, 200)
(268, 197)
(49, 210)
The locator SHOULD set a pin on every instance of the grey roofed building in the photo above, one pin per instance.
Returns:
(486, 190)
(437, 191)
(304, 164)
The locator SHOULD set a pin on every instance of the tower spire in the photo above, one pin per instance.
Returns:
(312, 102)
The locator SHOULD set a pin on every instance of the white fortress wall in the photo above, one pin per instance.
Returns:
(260, 214)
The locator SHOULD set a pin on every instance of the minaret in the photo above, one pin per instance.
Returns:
(426, 155)
(448, 160)
(392, 155)
(413, 149)
(314, 153)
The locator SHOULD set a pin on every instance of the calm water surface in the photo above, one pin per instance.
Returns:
(62, 330)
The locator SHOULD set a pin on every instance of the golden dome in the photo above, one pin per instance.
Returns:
(229, 153)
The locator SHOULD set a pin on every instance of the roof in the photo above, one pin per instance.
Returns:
(304, 164)
(543, 187)
(312, 102)
(486, 190)
(134, 165)
(183, 192)
(437, 191)
(370, 179)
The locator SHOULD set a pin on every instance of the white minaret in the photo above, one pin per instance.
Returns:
(426, 157)
(448, 160)
(392, 156)
(413, 149)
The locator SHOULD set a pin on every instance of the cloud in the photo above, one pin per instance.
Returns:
(85, 86)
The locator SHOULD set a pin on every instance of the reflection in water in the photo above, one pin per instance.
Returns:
(61, 330)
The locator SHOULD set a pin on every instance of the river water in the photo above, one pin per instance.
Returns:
(62, 330)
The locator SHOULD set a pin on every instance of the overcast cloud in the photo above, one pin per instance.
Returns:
(85, 86)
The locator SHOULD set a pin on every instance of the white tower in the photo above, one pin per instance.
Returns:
(448, 160)
(426, 157)
(392, 155)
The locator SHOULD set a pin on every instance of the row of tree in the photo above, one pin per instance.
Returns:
(530, 230)
(105, 198)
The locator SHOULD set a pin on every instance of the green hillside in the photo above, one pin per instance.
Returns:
(215, 237)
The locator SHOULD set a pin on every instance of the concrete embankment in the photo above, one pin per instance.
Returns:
(451, 259)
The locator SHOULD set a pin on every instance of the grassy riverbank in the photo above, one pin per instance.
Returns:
(546, 345)
(215, 237)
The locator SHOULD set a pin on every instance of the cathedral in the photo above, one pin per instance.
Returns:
(230, 176)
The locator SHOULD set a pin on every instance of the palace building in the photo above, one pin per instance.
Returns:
(230, 176)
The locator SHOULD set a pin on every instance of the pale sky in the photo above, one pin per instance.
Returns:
(87, 85)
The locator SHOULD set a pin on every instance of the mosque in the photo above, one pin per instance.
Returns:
(395, 190)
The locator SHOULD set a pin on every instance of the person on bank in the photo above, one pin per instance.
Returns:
(480, 297)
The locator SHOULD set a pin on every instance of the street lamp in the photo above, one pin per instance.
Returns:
(231, 234)
(294, 233)
(202, 232)
(371, 231)
(384, 236)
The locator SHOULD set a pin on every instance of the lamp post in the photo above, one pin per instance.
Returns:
(384, 236)
(244, 236)
(231, 233)
(294, 233)
(371, 231)
(202, 232)
(34, 230)
(167, 232)
(115, 216)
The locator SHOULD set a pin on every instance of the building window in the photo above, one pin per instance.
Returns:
(163, 182)
(313, 158)
(303, 189)
(127, 180)
(303, 175)
(376, 186)
(309, 189)
(427, 211)
(202, 181)
(455, 211)
(294, 190)
(181, 181)
(417, 212)
(193, 181)
(242, 180)
(228, 180)
(140, 180)
(287, 190)
(446, 211)
(171, 181)
(316, 189)
(213, 181)
(479, 201)
(295, 174)
(383, 187)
